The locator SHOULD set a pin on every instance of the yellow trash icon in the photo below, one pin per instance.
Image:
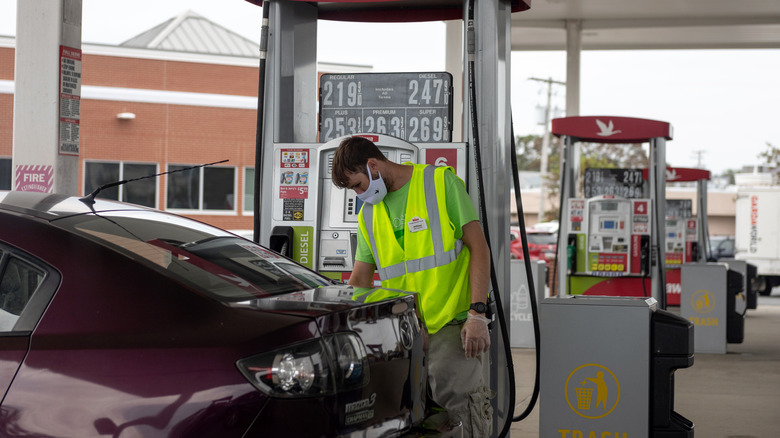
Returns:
(584, 396)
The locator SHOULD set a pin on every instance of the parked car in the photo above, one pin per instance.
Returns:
(126, 321)
(721, 247)
(542, 244)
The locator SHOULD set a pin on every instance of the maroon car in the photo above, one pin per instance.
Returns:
(124, 321)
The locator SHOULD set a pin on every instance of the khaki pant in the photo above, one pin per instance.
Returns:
(460, 385)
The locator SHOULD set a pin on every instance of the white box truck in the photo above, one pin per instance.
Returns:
(757, 235)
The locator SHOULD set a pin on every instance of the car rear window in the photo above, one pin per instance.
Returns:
(206, 258)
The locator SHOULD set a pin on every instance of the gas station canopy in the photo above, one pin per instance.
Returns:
(605, 24)
(657, 24)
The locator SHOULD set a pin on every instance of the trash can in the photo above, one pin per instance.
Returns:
(752, 293)
(736, 306)
(607, 368)
(672, 349)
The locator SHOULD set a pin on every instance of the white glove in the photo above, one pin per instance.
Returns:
(475, 335)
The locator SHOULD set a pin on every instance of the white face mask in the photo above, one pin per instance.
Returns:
(376, 189)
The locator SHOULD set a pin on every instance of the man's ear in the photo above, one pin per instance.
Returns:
(372, 164)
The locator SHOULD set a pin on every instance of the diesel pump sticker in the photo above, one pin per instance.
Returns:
(294, 175)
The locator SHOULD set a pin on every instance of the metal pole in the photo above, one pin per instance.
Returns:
(702, 225)
(567, 192)
(573, 55)
(658, 221)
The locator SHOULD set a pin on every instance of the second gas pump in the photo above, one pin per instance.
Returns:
(610, 246)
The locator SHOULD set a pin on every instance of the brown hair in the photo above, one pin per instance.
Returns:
(351, 157)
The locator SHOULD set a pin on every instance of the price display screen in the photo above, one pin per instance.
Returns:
(626, 183)
(416, 107)
(679, 208)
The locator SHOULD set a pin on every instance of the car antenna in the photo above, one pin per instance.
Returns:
(90, 199)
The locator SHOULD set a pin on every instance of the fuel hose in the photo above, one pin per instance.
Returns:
(471, 62)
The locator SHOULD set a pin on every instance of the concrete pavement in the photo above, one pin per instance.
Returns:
(733, 395)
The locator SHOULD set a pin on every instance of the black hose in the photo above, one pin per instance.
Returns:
(529, 275)
(483, 211)
(258, 186)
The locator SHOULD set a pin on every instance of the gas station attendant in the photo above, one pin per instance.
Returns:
(420, 231)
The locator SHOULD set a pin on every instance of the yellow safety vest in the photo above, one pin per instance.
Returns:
(432, 262)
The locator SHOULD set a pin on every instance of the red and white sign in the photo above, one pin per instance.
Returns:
(611, 129)
(442, 157)
(640, 207)
(294, 169)
(34, 178)
(293, 192)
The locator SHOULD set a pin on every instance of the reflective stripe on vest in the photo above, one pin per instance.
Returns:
(439, 257)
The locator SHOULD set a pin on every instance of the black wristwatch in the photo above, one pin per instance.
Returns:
(478, 307)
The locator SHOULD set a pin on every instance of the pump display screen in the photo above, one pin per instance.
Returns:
(609, 206)
(679, 208)
(626, 183)
(416, 107)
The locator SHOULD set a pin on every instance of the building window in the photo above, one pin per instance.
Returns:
(203, 188)
(5, 174)
(141, 192)
(249, 189)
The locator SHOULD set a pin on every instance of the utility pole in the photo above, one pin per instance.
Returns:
(699, 154)
(545, 143)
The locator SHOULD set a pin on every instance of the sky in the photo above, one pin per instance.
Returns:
(723, 104)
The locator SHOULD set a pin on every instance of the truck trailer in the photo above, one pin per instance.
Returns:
(757, 235)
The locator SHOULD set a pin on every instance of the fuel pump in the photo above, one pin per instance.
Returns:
(642, 218)
(686, 234)
(609, 238)
(318, 221)
(589, 386)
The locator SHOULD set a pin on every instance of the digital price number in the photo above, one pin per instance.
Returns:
(627, 183)
(416, 107)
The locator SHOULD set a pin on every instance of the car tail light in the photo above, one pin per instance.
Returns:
(323, 366)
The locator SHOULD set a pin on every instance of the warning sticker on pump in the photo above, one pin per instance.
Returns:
(293, 210)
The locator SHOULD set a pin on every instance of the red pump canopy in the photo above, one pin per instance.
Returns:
(394, 11)
(611, 129)
(682, 174)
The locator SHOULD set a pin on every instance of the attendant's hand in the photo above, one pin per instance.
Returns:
(475, 335)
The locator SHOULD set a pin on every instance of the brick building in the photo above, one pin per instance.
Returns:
(180, 94)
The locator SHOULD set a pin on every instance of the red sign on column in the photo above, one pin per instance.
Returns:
(442, 157)
(34, 178)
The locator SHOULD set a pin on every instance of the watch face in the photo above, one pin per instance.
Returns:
(479, 307)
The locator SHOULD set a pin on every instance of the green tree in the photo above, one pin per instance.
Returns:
(529, 152)
(771, 155)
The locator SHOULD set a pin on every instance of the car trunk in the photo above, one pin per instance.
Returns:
(394, 396)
